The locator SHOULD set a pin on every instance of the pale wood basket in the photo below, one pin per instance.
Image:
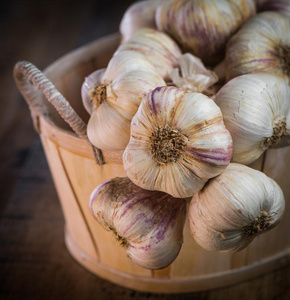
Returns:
(72, 162)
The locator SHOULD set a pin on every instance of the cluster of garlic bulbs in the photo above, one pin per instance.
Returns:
(188, 133)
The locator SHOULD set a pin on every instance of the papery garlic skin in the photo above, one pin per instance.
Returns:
(178, 141)
(203, 27)
(261, 45)
(256, 111)
(88, 87)
(234, 208)
(148, 224)
(139, 15)
(192, 75)
(128, 78)
(158, 48)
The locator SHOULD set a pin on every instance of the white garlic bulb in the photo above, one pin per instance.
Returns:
(178, 141)
(261, 45)
(256, 111)
(139, 15)
(148, 224)
(128, 78)
(234, 208)
(158, 48)
(192, 75)
(88, 90)
(203, 27)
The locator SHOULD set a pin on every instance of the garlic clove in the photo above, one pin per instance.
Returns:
(103, 125)
(88, 90)
(148, 224)
(256, 111)
(203, 27)
(158, 48)
(127, 90)
(261, 45)
(124, 62)
(139, 15)
(192, 75)
(167, 139)
(234, 208)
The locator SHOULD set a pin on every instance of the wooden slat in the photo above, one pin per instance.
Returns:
(85, 175)
(75, 221)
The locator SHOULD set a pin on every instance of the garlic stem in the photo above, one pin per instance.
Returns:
(261, 223)
(98, 94)
(167, 144)
(123, 241)
(279, 129)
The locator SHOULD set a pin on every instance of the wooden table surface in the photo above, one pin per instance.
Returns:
(34, 262)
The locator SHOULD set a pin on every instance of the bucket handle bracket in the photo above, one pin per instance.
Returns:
(28, 77)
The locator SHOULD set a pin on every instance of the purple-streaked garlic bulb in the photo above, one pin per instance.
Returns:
(234, 208)
(128, 78)
(139, 15)
(158, 48)
(178, 141)
(261, 45)
(147, 224)
(203, 27)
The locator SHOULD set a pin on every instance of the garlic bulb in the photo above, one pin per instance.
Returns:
(128, 78)
(178, 141)
(234, 208)
(192, 75)
(148, 224)
(139, 15)
(280, 6)
(88, 90)
(203, 27)
(261, 45)
(158, 48)
(256, 111)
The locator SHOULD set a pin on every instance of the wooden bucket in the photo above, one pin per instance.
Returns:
(72, 162)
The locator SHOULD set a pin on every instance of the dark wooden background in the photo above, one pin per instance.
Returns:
(34, 263)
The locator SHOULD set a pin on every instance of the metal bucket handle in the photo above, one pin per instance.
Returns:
(27, 77)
